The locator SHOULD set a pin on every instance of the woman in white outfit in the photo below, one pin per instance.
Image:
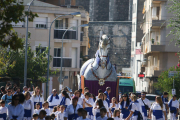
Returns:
(113, 106)
(116, 115)
(37, 97)
(15, 109)
(88, 104)
(65, 99)
(157, 110)
(134, 108)
(28, 107)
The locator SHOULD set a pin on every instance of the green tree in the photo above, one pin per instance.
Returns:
(11, 11)
(174, 22)
(36, 64)
(165, 83)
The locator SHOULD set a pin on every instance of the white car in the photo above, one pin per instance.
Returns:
(151, 97)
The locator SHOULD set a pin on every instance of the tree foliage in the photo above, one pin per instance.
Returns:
(11, 11)
(165, 83)
(14, 64)
(174, 22)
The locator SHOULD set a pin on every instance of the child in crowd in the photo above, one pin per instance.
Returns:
(55, 112)
(37, 110)
(84, 114)
(80, 112)
(42, 115)
(48, 118)
(103, 112)
(35, 116)
(116, 115)
(46, 107)
(3, 110)
(53, 117)
(60, 115)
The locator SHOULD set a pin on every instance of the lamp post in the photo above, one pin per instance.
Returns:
(75, 13)
(84, 25)
(25, 63)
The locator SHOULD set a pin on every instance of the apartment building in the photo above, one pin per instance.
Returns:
(75, 40)
(158, 51)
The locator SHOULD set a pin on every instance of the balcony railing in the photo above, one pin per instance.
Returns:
(70, 34)
(67, 62)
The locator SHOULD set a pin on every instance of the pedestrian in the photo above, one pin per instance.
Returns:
(3, 110)
(37, 110)
(37, 97)
(60, 115)
(174, 108)
(77, 94)
(93, 97)
(46, 108)
(15, 109)
(107, 92)
(55, 112)
(116, 115)
(80, 112)
(157, 109)
(113, 106)
(124, 104)
(53, 100)
(3, 92)
(106, 104)
(71, 111)
(7, 97)
(88, 104)
(84, 115)
(28, 107)
(103, 113)
(145, 105)
(65, 100)
(165, 101)
(42, 115)
(134, 108)
(99, 91)
(25, 88)
(86, 89)
(98, 106)
(35, 116)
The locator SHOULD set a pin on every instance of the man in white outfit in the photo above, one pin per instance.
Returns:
(144, 104)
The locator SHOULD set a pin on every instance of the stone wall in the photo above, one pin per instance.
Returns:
(120, 34)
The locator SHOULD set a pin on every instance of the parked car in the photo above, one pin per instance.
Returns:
(151, 97)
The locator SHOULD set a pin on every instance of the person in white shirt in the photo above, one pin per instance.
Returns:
(77, 94)
(102, 116)
(60, 115)
(37, 97)
(88, 105)
(144, 105)
(53, 100)
(37, 110)
(46, 108)
(124, 104)
(71, 111)
(3, 110)
(82, 95)
(116, 115)
(86, 89)
(28, 107)
(113, 106)
(15, 109)
(106, 104)
(96, 109)
(65, 99)
(134, 108)
(157, 109)
(173, 108)
(99, 91)
(55, 112)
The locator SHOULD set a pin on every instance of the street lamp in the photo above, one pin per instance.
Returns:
(84, 25)
(75, 13)
(25, 63)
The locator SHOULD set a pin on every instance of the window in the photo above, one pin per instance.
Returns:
(59, 24)
(41, 22)
(57, 59)
(40, 50)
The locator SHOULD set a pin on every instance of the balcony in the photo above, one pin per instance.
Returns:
(152, 71)
(70, 34)
(67, 62)
(158, 23)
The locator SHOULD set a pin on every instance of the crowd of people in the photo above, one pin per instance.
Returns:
(27, 105)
